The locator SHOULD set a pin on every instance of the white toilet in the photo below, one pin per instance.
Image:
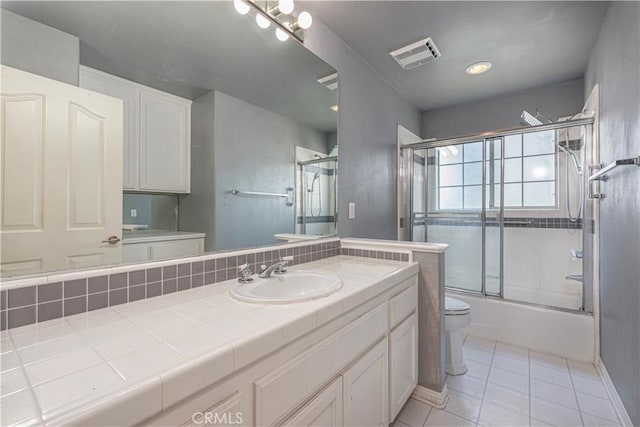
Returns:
(457, 316)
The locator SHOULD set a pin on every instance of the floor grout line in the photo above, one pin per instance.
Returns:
(575, 393)
(486, 382)
(529, 370)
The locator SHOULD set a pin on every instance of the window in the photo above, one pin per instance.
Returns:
(529, 173)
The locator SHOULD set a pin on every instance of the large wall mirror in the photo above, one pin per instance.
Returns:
(136, 131)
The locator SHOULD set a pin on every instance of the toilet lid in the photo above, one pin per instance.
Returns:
(454, 306)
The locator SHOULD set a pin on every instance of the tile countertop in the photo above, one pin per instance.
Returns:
(136, 358)
(144, 236)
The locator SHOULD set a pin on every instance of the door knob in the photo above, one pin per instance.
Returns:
(112, 240)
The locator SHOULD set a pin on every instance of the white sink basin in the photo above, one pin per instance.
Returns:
(295, 286)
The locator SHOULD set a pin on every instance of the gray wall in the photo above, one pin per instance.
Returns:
(237, 145)
(39, 49)
(502, 112)
(370, 110)
(615, 65)
(158, 211)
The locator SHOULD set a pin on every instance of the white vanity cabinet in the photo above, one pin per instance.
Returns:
(353, 371)
(403, 348)
(157, 133)
(173, 245)
(365, 389)
(324, 410)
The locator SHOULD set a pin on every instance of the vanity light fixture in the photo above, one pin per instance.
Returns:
(280, 14)
(241, 7)
(478, 68)
(262, 22)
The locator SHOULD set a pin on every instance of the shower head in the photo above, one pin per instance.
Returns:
(534, 120)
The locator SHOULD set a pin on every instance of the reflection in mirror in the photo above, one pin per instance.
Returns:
(140, 131)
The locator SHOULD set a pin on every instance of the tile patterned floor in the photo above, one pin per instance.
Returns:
(514, 386)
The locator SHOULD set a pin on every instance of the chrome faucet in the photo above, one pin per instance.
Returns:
(279, 267)
(245, 274)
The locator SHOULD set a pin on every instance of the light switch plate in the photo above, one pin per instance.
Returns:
(134, 213)
(352, 210)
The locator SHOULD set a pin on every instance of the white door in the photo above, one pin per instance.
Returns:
(126, 91)
(324, 410)
(403, 363)
(365, 389)
(61, 160)
(164, 143)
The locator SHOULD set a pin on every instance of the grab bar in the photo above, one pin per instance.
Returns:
(288, 195)
(602, 170)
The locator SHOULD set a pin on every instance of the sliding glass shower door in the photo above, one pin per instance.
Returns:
(450, 198)
(509, 206)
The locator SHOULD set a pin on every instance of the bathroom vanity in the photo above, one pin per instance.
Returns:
(160, 244)
(185, 358)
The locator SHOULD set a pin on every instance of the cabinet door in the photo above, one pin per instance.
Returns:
(403, 363)
(324, 410)
(365, 389)
(127, 92)
(164, 143)
(224, 413)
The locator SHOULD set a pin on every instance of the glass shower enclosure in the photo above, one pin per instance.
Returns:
(505, 203)
(316, 212)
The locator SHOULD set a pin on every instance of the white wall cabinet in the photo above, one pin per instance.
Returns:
(157, 133)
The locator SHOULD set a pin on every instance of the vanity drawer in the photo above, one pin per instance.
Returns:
(403, 304)
(278, 393)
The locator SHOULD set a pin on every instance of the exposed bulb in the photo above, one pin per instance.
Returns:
(241, 7)
(262, 22)
(281, 35)
(285, 6)
(304, 20)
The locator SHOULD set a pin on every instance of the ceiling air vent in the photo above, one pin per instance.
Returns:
(416, 54)
(330, 82)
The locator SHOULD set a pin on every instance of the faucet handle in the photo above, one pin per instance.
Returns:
(245, 273)
(283, 264)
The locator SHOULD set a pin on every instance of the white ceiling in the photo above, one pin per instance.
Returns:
(530, 43)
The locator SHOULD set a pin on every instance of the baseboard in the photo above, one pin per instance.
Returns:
(437, 399)
(613, 394)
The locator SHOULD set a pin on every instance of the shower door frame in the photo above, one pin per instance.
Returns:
(406, 175)
(304, 184)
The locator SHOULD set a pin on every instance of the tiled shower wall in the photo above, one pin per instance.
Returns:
(38, 303)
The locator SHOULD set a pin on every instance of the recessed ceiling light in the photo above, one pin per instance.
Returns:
(334, 107)
(478, 68)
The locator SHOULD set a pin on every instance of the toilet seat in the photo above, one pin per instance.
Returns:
(454, 307)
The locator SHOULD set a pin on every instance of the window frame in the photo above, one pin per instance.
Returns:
(490, 186)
